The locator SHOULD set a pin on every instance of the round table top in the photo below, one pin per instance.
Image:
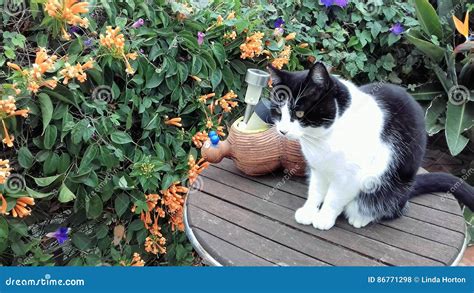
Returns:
(236, 220)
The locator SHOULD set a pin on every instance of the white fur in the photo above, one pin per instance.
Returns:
(343, 159)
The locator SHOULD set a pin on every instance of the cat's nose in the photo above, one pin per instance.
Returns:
(284, 132)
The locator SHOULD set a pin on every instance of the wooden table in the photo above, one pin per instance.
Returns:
(236, 220)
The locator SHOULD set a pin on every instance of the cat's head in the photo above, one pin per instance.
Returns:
(303, 102)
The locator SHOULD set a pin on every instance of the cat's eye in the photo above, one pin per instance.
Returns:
(299, 114)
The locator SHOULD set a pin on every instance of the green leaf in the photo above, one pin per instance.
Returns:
(75, 48)
(65, 194)
(3, 234)
(160, 152)
(228, 76)
(94, 207)
(431, 50)
(121, 22)
(436, 108)
(50, 164)
(120, 137)
(375, 28)
(216, 78)
(101, 231)
(209, 60)
(50, 136)
(428, 18)
(136, 225)
(36, 194)
(46, 107)
(219, 53)
(167, 181)
(9, 52)
(445, 81)
(182, 72)
(154, 81)
(459, 118)
(25, 158)
(239, 66)
(89, 155)
(307, 51)
(3, 228)
(392, 39)
(64, 163)
(196, 65)
(426, 95)
(46, 181)
(81, 241)
(122, 203)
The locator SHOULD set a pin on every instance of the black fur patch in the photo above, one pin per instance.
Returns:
(404, 129)
(314, 92)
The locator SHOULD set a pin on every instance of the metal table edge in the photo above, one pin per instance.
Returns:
(194, 242)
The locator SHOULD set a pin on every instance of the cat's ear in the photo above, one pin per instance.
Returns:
(275, 73)
(319, 74)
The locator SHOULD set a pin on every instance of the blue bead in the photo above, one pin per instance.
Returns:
(212, 133)
(214, 139)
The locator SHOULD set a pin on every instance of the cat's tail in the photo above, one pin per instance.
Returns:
(444, 182)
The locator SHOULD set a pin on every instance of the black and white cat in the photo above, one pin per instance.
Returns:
(363, 146)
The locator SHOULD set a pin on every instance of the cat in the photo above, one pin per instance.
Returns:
(363, 147)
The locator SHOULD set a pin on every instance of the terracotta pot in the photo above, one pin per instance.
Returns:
(257, 152)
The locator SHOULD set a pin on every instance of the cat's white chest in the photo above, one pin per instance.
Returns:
(324, 156)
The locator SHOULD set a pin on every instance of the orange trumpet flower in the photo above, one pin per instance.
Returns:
(174, 121)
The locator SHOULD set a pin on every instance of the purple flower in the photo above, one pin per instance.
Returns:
(61, 234)
(200, 39)
(74, 30)
(279, 22)
(397, 29)
(138, 23)
(327, 3)
(88, 42)
(341, 3)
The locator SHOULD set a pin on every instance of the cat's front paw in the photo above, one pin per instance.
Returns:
(305, 215)
(359, 221)
(324, 221)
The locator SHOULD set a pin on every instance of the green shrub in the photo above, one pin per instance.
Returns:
(452, 62)
(355, 39)
(114, 115)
